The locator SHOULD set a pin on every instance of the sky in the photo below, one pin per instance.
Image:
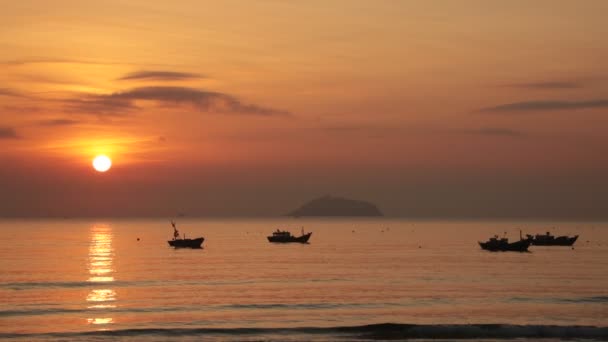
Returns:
(439, 109)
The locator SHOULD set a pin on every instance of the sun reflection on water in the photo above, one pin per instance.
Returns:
(101, 255)
(105, 320)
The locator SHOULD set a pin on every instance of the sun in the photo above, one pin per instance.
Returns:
(102, 163)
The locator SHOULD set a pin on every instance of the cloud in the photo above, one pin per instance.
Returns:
(206, 101)
(347, 127)
(497, 131)
(98, 105)
(58, 122)
(21, 109)
(370, 130)
(546, 85)
(159, 75)
(375, 130)
(8, 92)
(548, 105)
(8, 133)
(27, 61)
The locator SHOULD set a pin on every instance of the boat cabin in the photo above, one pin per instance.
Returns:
(281, 233)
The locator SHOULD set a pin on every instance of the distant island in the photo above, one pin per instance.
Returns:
(336, 206)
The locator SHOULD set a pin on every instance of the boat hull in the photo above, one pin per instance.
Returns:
(500, 246)
(558, 241)
(286, 239)
(186, 243)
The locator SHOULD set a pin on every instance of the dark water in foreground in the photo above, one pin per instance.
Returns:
(92, 280)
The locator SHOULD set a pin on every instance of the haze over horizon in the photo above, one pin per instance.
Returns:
(251, 108)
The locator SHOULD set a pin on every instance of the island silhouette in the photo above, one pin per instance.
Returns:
(336, 206)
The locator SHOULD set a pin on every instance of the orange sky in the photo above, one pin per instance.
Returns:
(428, 108)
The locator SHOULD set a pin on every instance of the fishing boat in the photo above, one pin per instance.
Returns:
(496, 244)
(284, 236)
(550, 240)
(178, 242)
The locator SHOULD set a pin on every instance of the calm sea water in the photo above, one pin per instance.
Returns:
(93, 280)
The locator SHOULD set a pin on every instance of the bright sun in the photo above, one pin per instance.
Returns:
(102, 163)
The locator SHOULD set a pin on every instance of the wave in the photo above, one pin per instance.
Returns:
(121, 283)
(596, 299)
(574, 300)
(66, 284)
(382, 331)
(271, 306)
(118, 283)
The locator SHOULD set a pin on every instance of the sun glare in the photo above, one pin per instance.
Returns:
(102, 163)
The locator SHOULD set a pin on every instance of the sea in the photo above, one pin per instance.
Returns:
(356, 280)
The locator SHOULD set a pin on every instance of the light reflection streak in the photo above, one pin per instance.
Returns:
(105, 320)
(100, 266)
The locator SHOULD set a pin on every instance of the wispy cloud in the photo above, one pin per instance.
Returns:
(202, 100)
(8, 133)
(98, 105)
(21, 109)
(26, 61)
(348, 127)
(9, 92)
(497, 131)
(547, 105)
(547, 85)
(159, 75)
(371, 130)
(58, 122)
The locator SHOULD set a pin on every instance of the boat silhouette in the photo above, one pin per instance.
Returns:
(178, 242)
(285, 236)
(550, 240)
(496, 244)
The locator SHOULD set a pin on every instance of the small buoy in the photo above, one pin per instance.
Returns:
(419, 246)
(137, 239)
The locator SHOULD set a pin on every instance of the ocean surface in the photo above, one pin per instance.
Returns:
(364, 279)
